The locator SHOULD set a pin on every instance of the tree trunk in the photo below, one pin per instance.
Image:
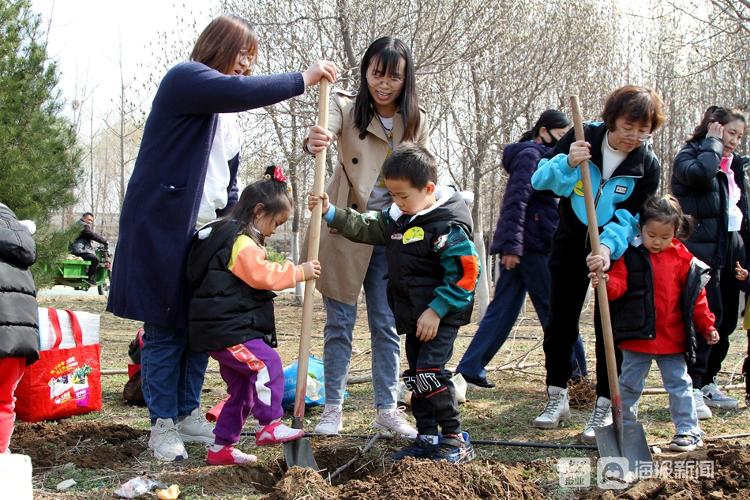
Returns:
(482, 293)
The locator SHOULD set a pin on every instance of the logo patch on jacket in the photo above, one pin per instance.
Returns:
(440, 242)
(578, 188)
(620, 189)
(413, 234)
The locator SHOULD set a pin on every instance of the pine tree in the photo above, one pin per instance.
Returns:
(39, 159)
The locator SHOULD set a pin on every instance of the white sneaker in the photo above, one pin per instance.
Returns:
(600, 417)
(703, 411)
(166, 442)
(713, 397)
(277, 433)
(557, 409)
(194, 428)
(331, 421)
(393, 421)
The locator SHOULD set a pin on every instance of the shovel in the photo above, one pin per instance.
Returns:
(619, 440)
(299, 452)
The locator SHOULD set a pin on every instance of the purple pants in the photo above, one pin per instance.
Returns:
(255, 382)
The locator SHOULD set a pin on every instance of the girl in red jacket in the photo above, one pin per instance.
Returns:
(658, 306)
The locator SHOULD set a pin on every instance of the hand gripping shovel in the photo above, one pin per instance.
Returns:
(299, 452)
(625, 440)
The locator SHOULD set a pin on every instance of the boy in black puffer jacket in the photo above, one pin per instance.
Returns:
(19, 324)
(432, 272)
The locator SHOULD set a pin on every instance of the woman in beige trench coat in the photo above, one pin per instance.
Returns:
(366, 127)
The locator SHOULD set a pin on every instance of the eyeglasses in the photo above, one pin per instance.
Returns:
(244, 54)
(374, 79)
(632, 134)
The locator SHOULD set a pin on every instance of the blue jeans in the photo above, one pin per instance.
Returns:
(385, 342)
(673, 368)
(530, 275)
(171, 374)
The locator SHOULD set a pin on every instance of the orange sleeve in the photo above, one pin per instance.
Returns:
(249, 263)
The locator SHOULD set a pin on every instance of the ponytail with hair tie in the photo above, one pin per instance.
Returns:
(274, 172)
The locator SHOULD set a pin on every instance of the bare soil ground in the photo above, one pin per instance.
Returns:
(103, 450)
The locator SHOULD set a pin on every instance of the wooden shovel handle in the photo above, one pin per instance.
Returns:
(312, 254)
(601, 289)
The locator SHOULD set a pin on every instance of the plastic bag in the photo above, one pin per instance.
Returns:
(137, 487)
(315, 393)
(63, 382)
(459, 384)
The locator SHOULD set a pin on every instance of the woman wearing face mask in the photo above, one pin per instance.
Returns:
(708, 179)
(366, 127)
(523, 237)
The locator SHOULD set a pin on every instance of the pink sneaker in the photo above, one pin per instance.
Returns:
(275, 433)
(229, 455)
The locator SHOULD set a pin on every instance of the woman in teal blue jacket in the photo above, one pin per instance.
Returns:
(624, 173)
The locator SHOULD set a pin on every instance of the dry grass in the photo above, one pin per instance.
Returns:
(503, 413)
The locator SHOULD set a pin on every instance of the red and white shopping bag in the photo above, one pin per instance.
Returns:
(63, 382)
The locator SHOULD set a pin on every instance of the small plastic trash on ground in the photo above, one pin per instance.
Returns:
(137, 486)
(171, 493)
(459, 384)
(66, 485)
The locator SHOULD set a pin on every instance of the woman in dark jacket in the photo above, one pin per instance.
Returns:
(523, 237)
(162, 206)
(626, 172)
(709, 180)
(19, 326)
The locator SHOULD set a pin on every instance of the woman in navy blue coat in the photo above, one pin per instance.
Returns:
(161, 208)
(523, 238)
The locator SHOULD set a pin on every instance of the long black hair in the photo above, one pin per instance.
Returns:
(271, 192)
(716, 114)
(549, 119)
(388, 51)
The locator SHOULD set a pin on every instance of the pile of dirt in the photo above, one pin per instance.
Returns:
(299, 482)
(333, 452)
(727, 476)
(223, 480)
(582, 394)
(409, 479)
(90, 445)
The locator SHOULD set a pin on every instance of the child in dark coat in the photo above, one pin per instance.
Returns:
(232, 317)
(19, 329)
(433, 269)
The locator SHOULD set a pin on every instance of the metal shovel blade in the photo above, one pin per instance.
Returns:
(634, 446)
(300, 453)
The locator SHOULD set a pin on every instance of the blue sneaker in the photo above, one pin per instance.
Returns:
(456, 449)
(422, 447)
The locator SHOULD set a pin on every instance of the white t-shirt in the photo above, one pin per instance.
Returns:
(379, 197)
(226, 146)
(734, 214)
(611, 158)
